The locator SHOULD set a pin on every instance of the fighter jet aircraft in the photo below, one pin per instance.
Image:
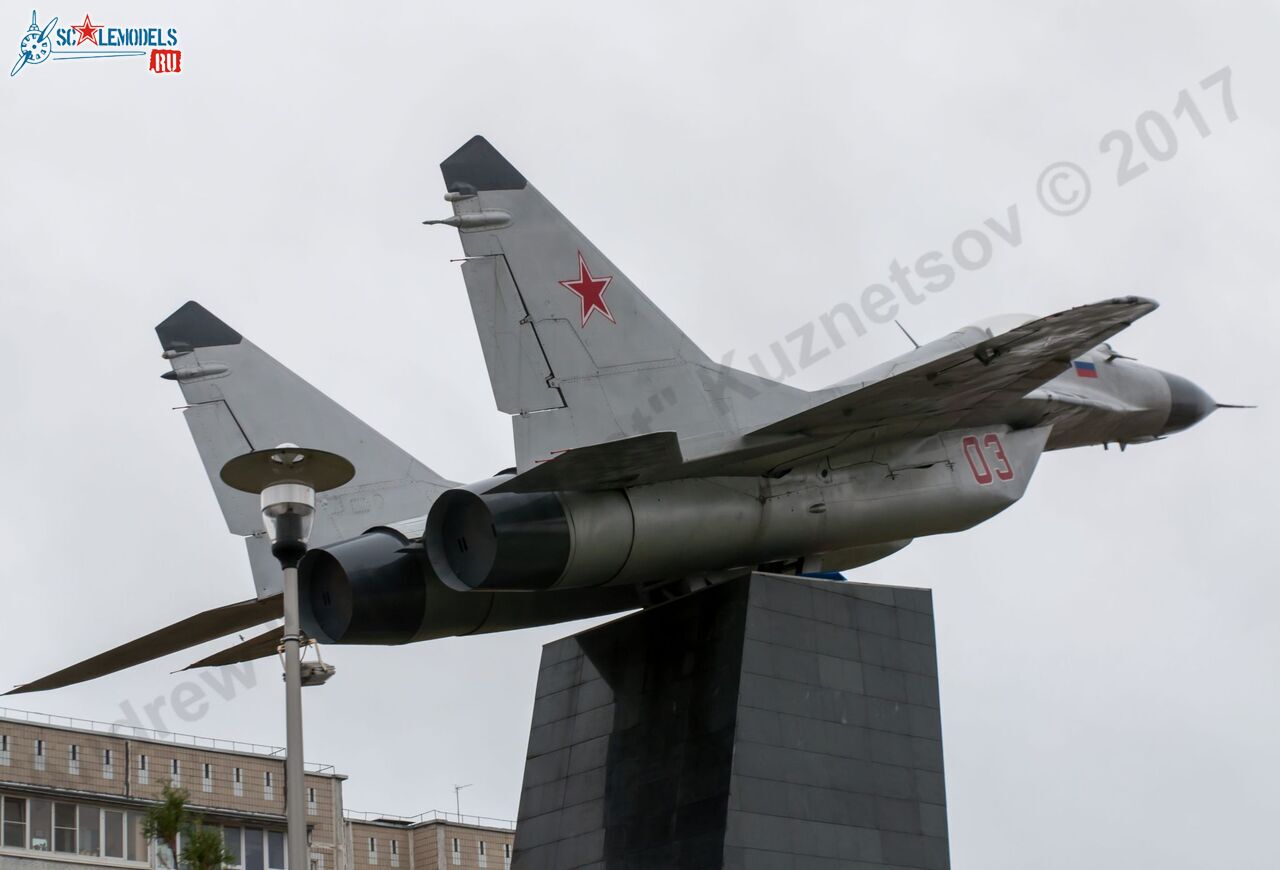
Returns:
(644, 469)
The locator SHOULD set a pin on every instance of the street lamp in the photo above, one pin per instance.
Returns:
(287, 478)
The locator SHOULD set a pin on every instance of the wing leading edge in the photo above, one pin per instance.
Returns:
(965, 387)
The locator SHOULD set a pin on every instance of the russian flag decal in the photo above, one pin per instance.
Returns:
(1085, 369)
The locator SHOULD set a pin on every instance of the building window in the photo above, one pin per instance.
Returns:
(373, 850)
(457, 851)
(90, 831)
(268, 790)
(40, 823)
(4, 750)
(64, 828)
(15, 823)
(395, 853)
(143, 776)
(275, 850)
(237, 782)
(484, 861)
(108, 772)
(206, 783)
(39, 754)
(113, 834)
(73, 760)
(134, 841)
(312, 808)
(253, 856)
(254, 848)
(231, 840)
(506, 856)
(73, 829)
(175, 771)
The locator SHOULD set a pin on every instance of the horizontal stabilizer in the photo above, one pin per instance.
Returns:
(966, 386)
(193, 630)
(626, 462)
(258, 647)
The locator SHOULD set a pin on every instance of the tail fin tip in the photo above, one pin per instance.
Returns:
(193, 326)
(478, 166)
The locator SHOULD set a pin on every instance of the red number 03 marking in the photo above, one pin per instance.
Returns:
(975, 453)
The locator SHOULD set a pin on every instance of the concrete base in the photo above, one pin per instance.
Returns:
(770, 722)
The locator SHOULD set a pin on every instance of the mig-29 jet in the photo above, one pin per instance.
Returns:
(644, 469)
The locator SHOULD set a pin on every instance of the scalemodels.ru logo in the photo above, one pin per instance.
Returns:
(47, 41)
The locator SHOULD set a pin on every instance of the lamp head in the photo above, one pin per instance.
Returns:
(287, 478)
(288, 510)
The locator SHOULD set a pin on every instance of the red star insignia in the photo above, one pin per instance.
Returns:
(590, 290)
(88, 31)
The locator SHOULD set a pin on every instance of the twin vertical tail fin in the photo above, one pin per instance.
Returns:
(575, 352)
(240, 399)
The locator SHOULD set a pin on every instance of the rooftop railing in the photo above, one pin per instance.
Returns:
(431, 816)
(121, 729)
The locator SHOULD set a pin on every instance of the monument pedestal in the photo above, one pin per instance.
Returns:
(768, 722)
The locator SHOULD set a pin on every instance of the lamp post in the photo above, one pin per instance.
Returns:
(287, 479)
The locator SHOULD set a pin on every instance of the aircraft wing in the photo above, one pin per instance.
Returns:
(189, 632)
(257, 647)
(965, 387)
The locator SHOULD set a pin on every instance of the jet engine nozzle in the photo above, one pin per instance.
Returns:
(379, 589)
(1188, 404)
(363, 590)
(502, 541)
(526, 541)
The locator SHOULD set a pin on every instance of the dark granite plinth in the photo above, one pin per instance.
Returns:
(771, 722)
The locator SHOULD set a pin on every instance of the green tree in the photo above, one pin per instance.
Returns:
(203, 847)
(167, 819)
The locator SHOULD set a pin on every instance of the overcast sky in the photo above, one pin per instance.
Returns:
(1108, 647)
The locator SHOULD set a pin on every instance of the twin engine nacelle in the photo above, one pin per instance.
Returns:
(480, 548)
(379, 588)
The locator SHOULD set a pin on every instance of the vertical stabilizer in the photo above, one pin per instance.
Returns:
(575, 351)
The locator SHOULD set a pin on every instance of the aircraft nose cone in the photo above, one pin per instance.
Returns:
(1188, 404)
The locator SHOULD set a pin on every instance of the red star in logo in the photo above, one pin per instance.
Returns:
(88, 31)
(590, 290)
